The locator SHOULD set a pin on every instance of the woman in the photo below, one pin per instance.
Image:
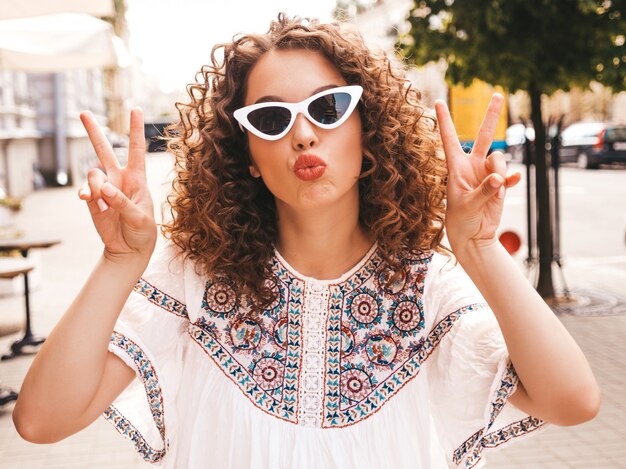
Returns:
(305, 312)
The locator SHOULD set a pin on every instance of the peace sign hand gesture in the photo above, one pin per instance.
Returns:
(476, 182)
(118, 198)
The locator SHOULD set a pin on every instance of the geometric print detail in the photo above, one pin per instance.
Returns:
(219, 298)
(127, 429)
(155, 400)
(260, 353)
(471, 450)
(161, 299)
(375, 341)
(382, 326)
(372, 392)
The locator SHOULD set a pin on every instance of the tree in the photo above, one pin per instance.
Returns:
(539, 46)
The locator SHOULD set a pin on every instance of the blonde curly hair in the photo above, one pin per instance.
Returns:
(226, 221)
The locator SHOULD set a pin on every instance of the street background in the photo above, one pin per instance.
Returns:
(593, 211)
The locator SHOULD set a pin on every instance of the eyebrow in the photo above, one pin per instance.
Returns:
(266, 99)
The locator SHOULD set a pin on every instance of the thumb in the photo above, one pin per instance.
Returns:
(127, 209)
(492, 186)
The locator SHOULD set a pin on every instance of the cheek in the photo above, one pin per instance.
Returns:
(260, 152)
(351, 145)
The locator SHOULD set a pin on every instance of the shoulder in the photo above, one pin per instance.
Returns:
(165, 271)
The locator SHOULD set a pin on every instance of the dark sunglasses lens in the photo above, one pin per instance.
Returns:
(270, 120)
(330, 108)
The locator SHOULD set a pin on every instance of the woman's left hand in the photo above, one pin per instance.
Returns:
(477, 182)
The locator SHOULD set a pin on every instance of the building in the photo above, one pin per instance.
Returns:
(42, 141)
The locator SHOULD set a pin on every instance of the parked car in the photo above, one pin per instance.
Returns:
(590, 144)
(516, 135)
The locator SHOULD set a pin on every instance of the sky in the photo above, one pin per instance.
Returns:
(173, 38)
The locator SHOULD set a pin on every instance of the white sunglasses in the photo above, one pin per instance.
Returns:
(327, 109)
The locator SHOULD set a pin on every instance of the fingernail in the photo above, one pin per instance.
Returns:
(501, 192)
(81, 192)
(102, 205)
(108, 189)
(495, 182)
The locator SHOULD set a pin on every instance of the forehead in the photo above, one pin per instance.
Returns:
(291, 75)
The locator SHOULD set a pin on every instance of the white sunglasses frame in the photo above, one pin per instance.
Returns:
(241, 114)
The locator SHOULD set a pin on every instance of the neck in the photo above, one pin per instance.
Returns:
(322, 243)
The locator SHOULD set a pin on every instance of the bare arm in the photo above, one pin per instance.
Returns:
(74, 377)
(556, 381)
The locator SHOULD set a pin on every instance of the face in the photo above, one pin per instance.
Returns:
(309, 167)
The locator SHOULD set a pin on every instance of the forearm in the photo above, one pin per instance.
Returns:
(552, 368)
(67, 370)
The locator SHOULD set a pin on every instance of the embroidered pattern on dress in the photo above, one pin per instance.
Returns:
(155, 401)
(160, 299)
(324, 354)
(471, 450)
(263, 356)
(363, 393)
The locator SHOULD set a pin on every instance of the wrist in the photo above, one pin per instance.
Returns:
(476, 250)
(131, 263)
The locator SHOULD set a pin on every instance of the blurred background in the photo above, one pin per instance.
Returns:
(560, 66)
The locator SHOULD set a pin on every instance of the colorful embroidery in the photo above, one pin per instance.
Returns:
(219, 298)
(153, 393)
(364, 342)
(356, 384)
(471, 450)
(407, 315)
(364, 306)
(161, 299)
(263, 358)
(381, 349)
(124, 427)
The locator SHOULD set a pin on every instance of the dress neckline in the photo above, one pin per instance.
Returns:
(339, 279)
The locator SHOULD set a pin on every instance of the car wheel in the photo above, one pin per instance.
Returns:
(583, 162)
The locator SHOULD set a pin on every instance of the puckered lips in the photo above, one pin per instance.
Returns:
(309, 167)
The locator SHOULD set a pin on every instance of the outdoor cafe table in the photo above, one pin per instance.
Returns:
(23, 245)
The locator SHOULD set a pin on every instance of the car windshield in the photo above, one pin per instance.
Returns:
(616, 134)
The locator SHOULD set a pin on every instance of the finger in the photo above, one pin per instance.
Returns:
(488, 127)
(84, 193)
(492, 186)
(496, 163)
(513, 179)
(128, 210)
(137, 142)
(96, 178)
(99, 141)
(449, 137)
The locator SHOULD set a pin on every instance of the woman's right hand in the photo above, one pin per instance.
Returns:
(118, 198)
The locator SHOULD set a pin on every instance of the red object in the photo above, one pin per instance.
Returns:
(511, 242)
(600, 143)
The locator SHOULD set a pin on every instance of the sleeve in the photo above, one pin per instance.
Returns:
(470, 374)
(148, 336)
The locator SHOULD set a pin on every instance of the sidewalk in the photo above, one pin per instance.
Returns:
(600, 443)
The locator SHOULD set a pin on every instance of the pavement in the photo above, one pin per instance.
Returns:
(597, 321)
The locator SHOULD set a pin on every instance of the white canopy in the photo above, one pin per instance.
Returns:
(52, 43)
(24, 8)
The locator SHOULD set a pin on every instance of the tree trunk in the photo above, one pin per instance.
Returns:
(545, 285)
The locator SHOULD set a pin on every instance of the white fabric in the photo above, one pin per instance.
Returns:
(435, 393)
(52, 43)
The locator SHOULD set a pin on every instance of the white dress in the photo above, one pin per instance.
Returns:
(341, 373)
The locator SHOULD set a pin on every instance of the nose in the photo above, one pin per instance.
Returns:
(304, 134)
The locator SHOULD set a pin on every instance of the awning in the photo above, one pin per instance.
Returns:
(52, 43)
(25, 8)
